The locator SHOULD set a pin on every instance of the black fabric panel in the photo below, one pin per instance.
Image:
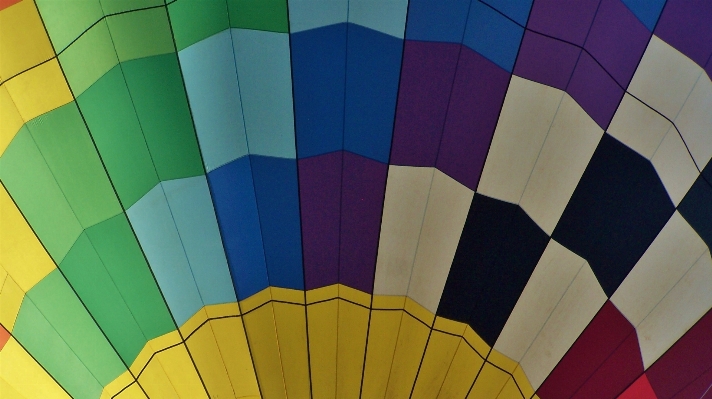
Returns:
(696, 208)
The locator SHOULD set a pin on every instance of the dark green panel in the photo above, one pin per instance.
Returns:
(114, 6)
(141, 34)
(29, 181)
(156, 87)
(89, 278)
(43, 342)
(195, 20)
(269, 15)
(113, 123)
(66, 145)
(60, 306)
(117, 247)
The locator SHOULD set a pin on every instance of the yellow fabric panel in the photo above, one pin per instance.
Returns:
(23, 40)
(156, 383)
(291, 325)
(153, 346)
(209, 361)
(39, 90)
(115, 386)
(410, 347)
(20, 371)
(323, 293)
(222, 310)
(8, 392)
(463, 370)
(510, 391)
(230, 336)
(388, 302)
(353, 328)
(180, 372)
(132, 392)
(11, 296)
(19, 247)
(489, 383)
(438, 356)
(476, 341)
(256, 300)
(382, 340)
(322, 319)
(421, 313)
(10, 117)
(262, 336)
(287, 295)
(195, 321)
(502, 361)
(523, 382)
(354, 295)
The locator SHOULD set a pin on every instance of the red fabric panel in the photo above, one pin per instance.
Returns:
(4, 337)
(640, 389)
(7, 3)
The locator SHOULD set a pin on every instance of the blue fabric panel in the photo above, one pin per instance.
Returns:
(517, 10)
(647, 11)
(493, 35)
(437, 20)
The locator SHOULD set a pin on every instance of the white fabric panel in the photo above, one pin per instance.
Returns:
(675, 167)
(638, 126)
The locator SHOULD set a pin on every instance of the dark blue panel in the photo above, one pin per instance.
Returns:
(318, 73)
(236, 208)
(618, 208)
(493, 35)
(647, 11)
(696, 208)
(373, 69)
(278, 204)
(517, 10)
(498, 251)
(437, 20)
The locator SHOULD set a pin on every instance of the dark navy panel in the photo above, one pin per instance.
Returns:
(647, 11)
(437, 20)
(498, 251)
(696, 208)
(236, 209)
(493, 35)
(618, 208)
(278, 204)
(372, 73)
(318, 73)
(516, 10)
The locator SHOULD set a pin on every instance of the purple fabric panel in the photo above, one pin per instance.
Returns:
(564, 19)
(426, 80)
(546, 60)
(477, 97)
(685, 25)
(364, 184)
(320, 199)
(617, 40)
(595, 90)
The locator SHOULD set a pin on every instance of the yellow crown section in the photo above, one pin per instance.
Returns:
(24, 377)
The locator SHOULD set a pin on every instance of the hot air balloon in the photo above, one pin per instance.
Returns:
(355, 199)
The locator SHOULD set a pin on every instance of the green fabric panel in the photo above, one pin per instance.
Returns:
(30, 182)
(62, 309)
(66, 145)
(118, 249)
(43, 342)
(116, 6)
(90, 57)
(269, 15)
(114, 125)
(195, 20)
(156, 87)
(66, 20)
(141, 34)
(86, 273)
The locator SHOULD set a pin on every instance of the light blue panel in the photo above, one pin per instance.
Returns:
(311, 14)
(193, 212)
(265, 76)
(385, 16)
(214, 95)
(156, 231)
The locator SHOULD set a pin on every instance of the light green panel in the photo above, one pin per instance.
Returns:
(66, 145)
(195, 20)
(156, 86)
(67, 19)
(86, 273)
(63, 310)
(120, 253)
(90, 57)
(141, 34)
(29, 181)
(116, 6)
(46, 345)
(108, 109)
(269, 15)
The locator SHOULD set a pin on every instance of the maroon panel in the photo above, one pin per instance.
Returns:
(701, 388)
(546, 60)
(597, 342)
(427, 75)
(565, 20)
(621, 369)
(364, 185)
(320, 201)
(684, 362)
(477, 97)
(640, 389)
